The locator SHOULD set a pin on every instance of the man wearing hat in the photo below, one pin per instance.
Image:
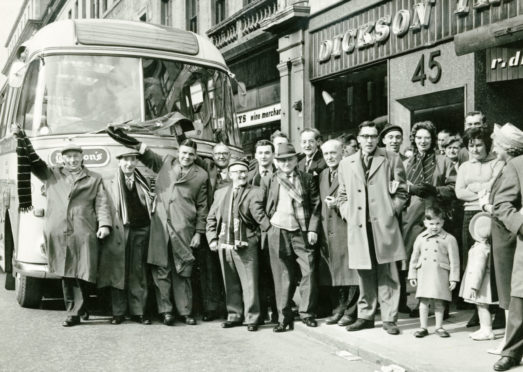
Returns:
(293, 206)
(233, 230)
(77, 215)
(123, 260)
(392, 137)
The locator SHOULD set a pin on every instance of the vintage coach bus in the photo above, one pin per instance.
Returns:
(75, 77)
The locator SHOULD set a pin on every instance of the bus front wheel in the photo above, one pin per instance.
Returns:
(28, 291)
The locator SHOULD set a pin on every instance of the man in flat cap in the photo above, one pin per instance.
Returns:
(123, 260)
(392, 137)
(233, 230)
(77, 215)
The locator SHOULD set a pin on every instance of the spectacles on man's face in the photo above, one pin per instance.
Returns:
(368, 137)
(221, 154)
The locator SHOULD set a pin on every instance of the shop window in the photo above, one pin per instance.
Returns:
(252, 135)
(192, 15)
(76, 9)
(219, 11)
(343, 102)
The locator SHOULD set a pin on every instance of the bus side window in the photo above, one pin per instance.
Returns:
(24, 116)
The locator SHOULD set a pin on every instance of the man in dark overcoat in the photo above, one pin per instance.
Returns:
(312, 161)
(123, 259)
(77, 215)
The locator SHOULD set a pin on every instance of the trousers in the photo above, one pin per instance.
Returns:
(75, 296)
(514, 344)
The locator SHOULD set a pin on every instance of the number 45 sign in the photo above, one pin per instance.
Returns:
(434, 68)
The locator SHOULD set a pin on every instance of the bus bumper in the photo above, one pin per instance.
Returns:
(34, 270)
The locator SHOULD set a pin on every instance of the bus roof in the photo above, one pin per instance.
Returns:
(107, 33)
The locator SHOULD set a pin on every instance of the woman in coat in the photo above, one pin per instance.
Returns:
(77, 213)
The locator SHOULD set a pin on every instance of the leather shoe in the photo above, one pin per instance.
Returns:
(346, 320)
(209, 316)
(333, 319)
(441, 332)
(391, 328)
(84, 315)
(71, 321)
(420, 333)
(141, 319)
(505, 363)
(167, 319)
(189, 320)
(252, 327)
(310, 322)
(117, 319)
(230, 324)
(360, 324)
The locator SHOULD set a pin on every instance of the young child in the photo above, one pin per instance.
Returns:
(434, 269)
(475, 286)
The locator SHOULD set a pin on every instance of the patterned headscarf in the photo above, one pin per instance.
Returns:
(508, 137)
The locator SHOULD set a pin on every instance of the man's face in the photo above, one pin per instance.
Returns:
(423, 140)
(128, 164)
(474, 121)
(287, 165)
(332, 155)
(264, 155)
(238, 175)
(393, 140)
(309, 143)
(368, 139)
(434, 225)
(186, 156)
(452, 151)
(350, 148)
(72, 160)
(278, 141)
(221, 155)
(442, 139)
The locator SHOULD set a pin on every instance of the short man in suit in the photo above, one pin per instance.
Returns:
(372, 193)
(233, 230)
(312, 162)
(123, 258)
(293, 206)
(264, 155)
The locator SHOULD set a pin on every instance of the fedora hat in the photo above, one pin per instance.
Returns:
(284, 151)
(480, 226)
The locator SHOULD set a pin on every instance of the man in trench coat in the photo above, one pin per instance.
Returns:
(123, 259)
(77, 213)
(371, 196)
(177, 224)
(507, 208)
(334, 273)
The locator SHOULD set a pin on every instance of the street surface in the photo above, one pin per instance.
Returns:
(34, 340)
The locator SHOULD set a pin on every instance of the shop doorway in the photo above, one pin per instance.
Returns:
(446, 109)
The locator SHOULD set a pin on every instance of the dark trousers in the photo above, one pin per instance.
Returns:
(207, 280)
(283, 270)
(167, 281)
(344, 300)
(75, 296)
(267, 294)
(240, 275)
(134, 296)
(514, 344)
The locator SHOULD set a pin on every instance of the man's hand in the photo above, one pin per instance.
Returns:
(103, 232)
(473, 293)
(213, 246)
(312, 237)
(452, 285)
(330, 201)
(413, 282)
(195, 242)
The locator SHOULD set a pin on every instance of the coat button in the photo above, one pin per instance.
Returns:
(360, 225)
(434, 260)
(359, 190)
(435, 251)
(425, 259)
(359, 208)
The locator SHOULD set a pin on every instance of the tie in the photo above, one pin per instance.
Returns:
(334, 174)
(264, 172)
(129, 182)
(366, 159)
(309, 161)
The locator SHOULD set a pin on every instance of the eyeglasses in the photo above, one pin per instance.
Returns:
(224, 154)
(368, 136)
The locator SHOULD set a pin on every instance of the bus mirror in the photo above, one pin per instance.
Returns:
(16, 74)
(242, 94)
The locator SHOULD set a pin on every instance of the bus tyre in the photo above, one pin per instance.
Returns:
(28, 291)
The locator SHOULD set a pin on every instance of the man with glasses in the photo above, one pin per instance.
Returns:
(371, 196)
(233, 230)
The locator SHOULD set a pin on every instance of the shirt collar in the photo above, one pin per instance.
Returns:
(442, 234)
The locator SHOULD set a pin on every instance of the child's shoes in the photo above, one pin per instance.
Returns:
(482, 335)
(422, 332)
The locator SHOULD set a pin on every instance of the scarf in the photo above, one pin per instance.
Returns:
(295, 192)
(232, 232)
(141, 183)
(27, 160)
(420, 169)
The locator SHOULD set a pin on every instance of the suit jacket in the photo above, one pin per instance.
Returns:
(254, 178)
(251, 212)
(385, 205)
(311, 199)
(317, 164)
(181, 211)
(507, 208)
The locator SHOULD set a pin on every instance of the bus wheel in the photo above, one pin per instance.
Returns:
(28, 291)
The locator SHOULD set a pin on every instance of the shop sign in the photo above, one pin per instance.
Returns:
(259, 116)
(504, 63)
(92, 157)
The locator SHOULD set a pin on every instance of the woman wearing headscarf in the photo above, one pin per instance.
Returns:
(508, 144)
(430, 178)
